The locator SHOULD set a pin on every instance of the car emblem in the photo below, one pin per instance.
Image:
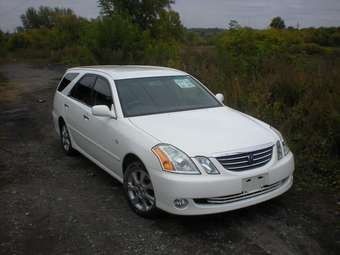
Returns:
(250, 158)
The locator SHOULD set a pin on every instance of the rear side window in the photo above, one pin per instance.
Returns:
(102, 92)
(82, 90)
(66, 81)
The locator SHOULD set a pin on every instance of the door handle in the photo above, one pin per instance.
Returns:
(86, 117)
(66, 106)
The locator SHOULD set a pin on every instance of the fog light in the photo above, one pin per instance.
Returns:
(181, 203)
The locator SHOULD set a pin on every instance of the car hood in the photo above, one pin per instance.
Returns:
(206, 132)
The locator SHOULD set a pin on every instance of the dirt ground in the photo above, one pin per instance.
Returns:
(54, 204)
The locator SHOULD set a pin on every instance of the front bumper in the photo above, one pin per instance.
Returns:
(195, 188)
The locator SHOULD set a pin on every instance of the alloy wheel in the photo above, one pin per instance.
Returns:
(65, 139)
(140, 190)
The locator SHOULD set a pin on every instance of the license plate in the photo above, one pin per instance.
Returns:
(253, 184)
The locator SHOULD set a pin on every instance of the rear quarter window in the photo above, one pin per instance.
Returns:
(68, 78)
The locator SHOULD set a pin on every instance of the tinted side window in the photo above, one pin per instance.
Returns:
(82, 90)
(102, 92)
(67, 80)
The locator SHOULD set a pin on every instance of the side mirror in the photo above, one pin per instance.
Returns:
(220, 97)
(102, 111)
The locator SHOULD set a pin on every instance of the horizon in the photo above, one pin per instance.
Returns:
(256, 14)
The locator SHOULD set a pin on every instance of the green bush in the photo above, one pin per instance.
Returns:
(3, 44)
(19, 41)
(162, 53)
(75, 56)
(67, 31)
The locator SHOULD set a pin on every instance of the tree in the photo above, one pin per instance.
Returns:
(168, 26)
(43, 17)
(66, 31)
(143, 12)
(114, 33)
(233, 25)
(278, 23)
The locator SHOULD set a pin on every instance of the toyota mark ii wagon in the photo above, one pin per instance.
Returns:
(173, 144)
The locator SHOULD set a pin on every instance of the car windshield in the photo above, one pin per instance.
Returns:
(143, 96)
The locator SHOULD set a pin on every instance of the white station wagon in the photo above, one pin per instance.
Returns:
(173, 144)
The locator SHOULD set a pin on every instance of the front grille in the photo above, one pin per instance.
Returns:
(246, 160)
(241, 196)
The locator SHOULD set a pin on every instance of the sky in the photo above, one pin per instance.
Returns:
(203, 13)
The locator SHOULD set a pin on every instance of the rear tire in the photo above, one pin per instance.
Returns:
(139, 191)
(65, 139)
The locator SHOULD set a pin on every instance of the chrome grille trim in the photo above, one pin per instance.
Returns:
(241, 196)
(265, 156)
(246, 160)
(263, 151)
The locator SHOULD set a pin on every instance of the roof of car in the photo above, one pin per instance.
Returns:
(119, 72)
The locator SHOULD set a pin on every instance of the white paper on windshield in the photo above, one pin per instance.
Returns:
(184, 83)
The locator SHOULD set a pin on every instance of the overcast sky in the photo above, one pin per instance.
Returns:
(204, 13)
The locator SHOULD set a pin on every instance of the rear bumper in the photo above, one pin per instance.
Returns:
(55, 122)
(198, 188)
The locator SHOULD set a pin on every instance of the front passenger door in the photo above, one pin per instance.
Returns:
(104, 130)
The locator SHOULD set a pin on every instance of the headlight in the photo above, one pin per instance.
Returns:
(173, 160)
(207, 165)
(281, 145)
(286, 149)
(279, 150)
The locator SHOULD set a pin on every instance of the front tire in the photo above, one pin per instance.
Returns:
(139, 190)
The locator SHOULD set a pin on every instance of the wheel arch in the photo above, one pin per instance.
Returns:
(61, 122)
(128, 158)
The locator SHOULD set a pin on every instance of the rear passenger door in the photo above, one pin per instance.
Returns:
(78, 112)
